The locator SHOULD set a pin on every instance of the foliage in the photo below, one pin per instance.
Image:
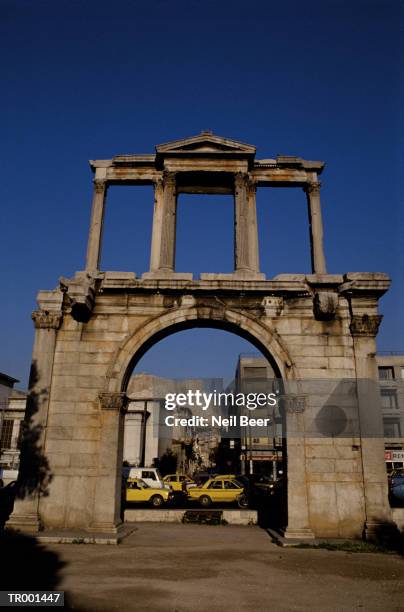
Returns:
(167, 463)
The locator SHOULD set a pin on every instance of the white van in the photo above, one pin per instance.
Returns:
(151, 476)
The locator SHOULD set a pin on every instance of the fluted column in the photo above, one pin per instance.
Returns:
(316, 228)
(246, 233)
(96, 226)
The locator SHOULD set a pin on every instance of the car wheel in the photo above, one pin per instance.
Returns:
(242, 501)
(205, 501)
(157, 501)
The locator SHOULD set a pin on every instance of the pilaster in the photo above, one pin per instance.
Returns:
(364, 327)
(35, 472)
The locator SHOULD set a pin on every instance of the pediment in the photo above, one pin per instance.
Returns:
(205, 143)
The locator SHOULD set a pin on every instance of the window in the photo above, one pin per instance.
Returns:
(386, 373)
(256, 440)
(402, 372)
(228, 484)
(150, 475)
(216, 484)
(392, 428)
(6, 433)
(389, 399)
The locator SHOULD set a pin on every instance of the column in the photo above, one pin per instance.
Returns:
(34, 472)
(162, 259)
(96, 226)
(246, 255)
(316, 228)
(167, 246)
(364, 328)
(157, 225)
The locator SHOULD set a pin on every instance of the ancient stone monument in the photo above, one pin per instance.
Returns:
(92, 330)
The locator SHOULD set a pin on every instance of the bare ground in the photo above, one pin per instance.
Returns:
(197, 568)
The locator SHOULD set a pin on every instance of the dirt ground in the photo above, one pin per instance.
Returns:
(198, 568)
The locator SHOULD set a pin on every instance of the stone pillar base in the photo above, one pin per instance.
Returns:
(105, 527)
(167, 275)
(297, 534)
(27, 523)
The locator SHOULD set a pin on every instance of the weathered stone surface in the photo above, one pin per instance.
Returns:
(89, 331)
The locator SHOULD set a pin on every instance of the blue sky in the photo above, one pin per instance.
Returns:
(85, 80)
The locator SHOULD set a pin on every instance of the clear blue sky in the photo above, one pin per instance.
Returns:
(81, 80)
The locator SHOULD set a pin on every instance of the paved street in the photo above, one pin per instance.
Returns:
(195, 568)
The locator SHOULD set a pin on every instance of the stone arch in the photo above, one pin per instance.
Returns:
(157, 328)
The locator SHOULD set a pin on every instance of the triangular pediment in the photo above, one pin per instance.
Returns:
(205, 142)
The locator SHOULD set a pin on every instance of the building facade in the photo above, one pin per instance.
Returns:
(391, 379)
(12, 406)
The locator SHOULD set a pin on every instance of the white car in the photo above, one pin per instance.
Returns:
(151, 476)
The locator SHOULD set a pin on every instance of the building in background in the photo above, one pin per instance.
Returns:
(253, 369)
(6, 385)
(146, 437)
(12, 410)
(391, 378)
(259, 455)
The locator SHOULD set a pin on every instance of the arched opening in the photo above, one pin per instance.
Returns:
(198, 452)
(224, 325)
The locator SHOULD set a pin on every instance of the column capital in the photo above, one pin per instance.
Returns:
(312, 187)
(100, 185)
(46, 319)
(240, 179)
(365, 325)
(159, 182)
(251, 183)
(169, 178)
(113, 401)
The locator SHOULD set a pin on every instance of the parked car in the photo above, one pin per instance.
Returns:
(179, 482)
(218, 490)
(150, 476)
(138, 491)
(260, 489)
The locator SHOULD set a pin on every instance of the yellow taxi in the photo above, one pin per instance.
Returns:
(179, 482)
(217, 490)
(137, 491)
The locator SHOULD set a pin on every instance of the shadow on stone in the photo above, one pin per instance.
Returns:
(34, 472)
